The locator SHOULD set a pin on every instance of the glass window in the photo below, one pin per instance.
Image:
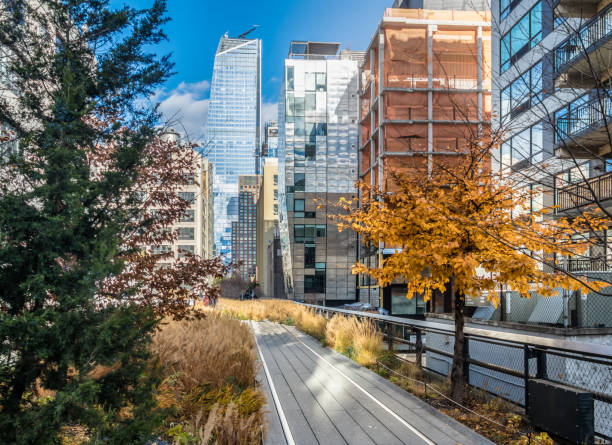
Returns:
(186, 233)
(505, 52)
(321, 230)
(187, 196)
(184, 251)
(300, 182)
(525, 34)
(290, 79)
(299, 106)
(188, 216)
(524, 92)
(310, 102)
(322, 129)
(521, 146)
(290, 105)
(504, 7)
(299, 205)
(505, 101)
(309, 256)
(298, 233)
(309, 81)
(320, 266)
(275, 179)
(321, 82)
(311, 151)
(298, 129)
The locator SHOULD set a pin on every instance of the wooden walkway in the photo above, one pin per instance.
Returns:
(317, 396)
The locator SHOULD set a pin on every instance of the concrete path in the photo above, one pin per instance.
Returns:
(317, 396)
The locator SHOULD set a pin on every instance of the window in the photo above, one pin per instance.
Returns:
(524, 35)
(298, 205)
(186, 233)
(275, 179)
(188, 216)
(309, 256)
(290, 71)
(309, 81)
(311, 151)
(321, 230)
(322, 129)
(320, 266)
(300, 182)
(157, 250)
(523, 93)
(315, 283)
(310, 102)
(505, 6)
(187, 196)
(275, 194)
(275, 209)
(184, 251)
(573, 118)
(528, 144)
(321, 82)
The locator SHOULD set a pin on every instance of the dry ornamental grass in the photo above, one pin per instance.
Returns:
(210, 369)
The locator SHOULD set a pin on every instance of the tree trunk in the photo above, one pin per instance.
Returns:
(457, 374)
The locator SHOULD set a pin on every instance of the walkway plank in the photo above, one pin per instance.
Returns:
(322, 406)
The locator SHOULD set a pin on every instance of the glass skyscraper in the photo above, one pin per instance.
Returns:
(233, 129)
(317, 151)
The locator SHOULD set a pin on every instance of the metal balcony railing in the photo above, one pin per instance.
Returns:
(583, 117)
(591, 191)
(580, 42)
(587, 265)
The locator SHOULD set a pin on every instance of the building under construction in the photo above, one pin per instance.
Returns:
(425, 83)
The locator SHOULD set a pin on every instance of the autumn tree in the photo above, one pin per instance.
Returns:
(465, 229)
(80, 288)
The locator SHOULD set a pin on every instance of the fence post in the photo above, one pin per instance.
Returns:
(541, 372)
(466, 360)
(419, 348)
(389, 329)
(526, 376)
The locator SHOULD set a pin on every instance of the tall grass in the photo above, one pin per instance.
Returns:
(210, 368)
(360, 340)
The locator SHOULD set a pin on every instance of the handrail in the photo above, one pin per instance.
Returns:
(593, 349)
(585, 192)
(590, 33)
(583, 117)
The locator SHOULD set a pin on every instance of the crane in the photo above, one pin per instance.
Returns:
(244, 34)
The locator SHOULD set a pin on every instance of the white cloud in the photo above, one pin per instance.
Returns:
(185, 108)
(269, 112)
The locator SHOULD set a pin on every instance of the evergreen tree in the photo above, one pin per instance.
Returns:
(74, 74)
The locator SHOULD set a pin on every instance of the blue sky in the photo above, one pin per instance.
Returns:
(197, 25)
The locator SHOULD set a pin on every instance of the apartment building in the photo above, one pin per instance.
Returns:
(269, 257)
(194, 227)
(551, 65)
(317, 128)
(244, 230)
(424, 83)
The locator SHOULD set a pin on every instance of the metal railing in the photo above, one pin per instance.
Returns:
(502, 362)
(586, 116)
(583, 193)
(589, 34)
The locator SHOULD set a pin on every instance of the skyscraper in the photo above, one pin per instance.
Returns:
(233, 128)
(318, 114)
(244, 231)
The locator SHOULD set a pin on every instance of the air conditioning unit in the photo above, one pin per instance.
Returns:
(562, 411)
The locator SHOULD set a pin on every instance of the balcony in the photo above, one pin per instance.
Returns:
(587, 265)
(597, 189)
(576, 8)
(583, 128)
(573, 68)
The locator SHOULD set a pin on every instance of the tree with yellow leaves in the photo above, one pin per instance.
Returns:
(465, 228)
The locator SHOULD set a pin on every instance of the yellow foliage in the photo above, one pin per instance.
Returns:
(463, 223)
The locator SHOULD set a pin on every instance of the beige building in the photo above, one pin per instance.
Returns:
(206, 190)
(195, 226)
(267, 225)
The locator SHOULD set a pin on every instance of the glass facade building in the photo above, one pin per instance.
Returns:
(318, 114)
(233, 131)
